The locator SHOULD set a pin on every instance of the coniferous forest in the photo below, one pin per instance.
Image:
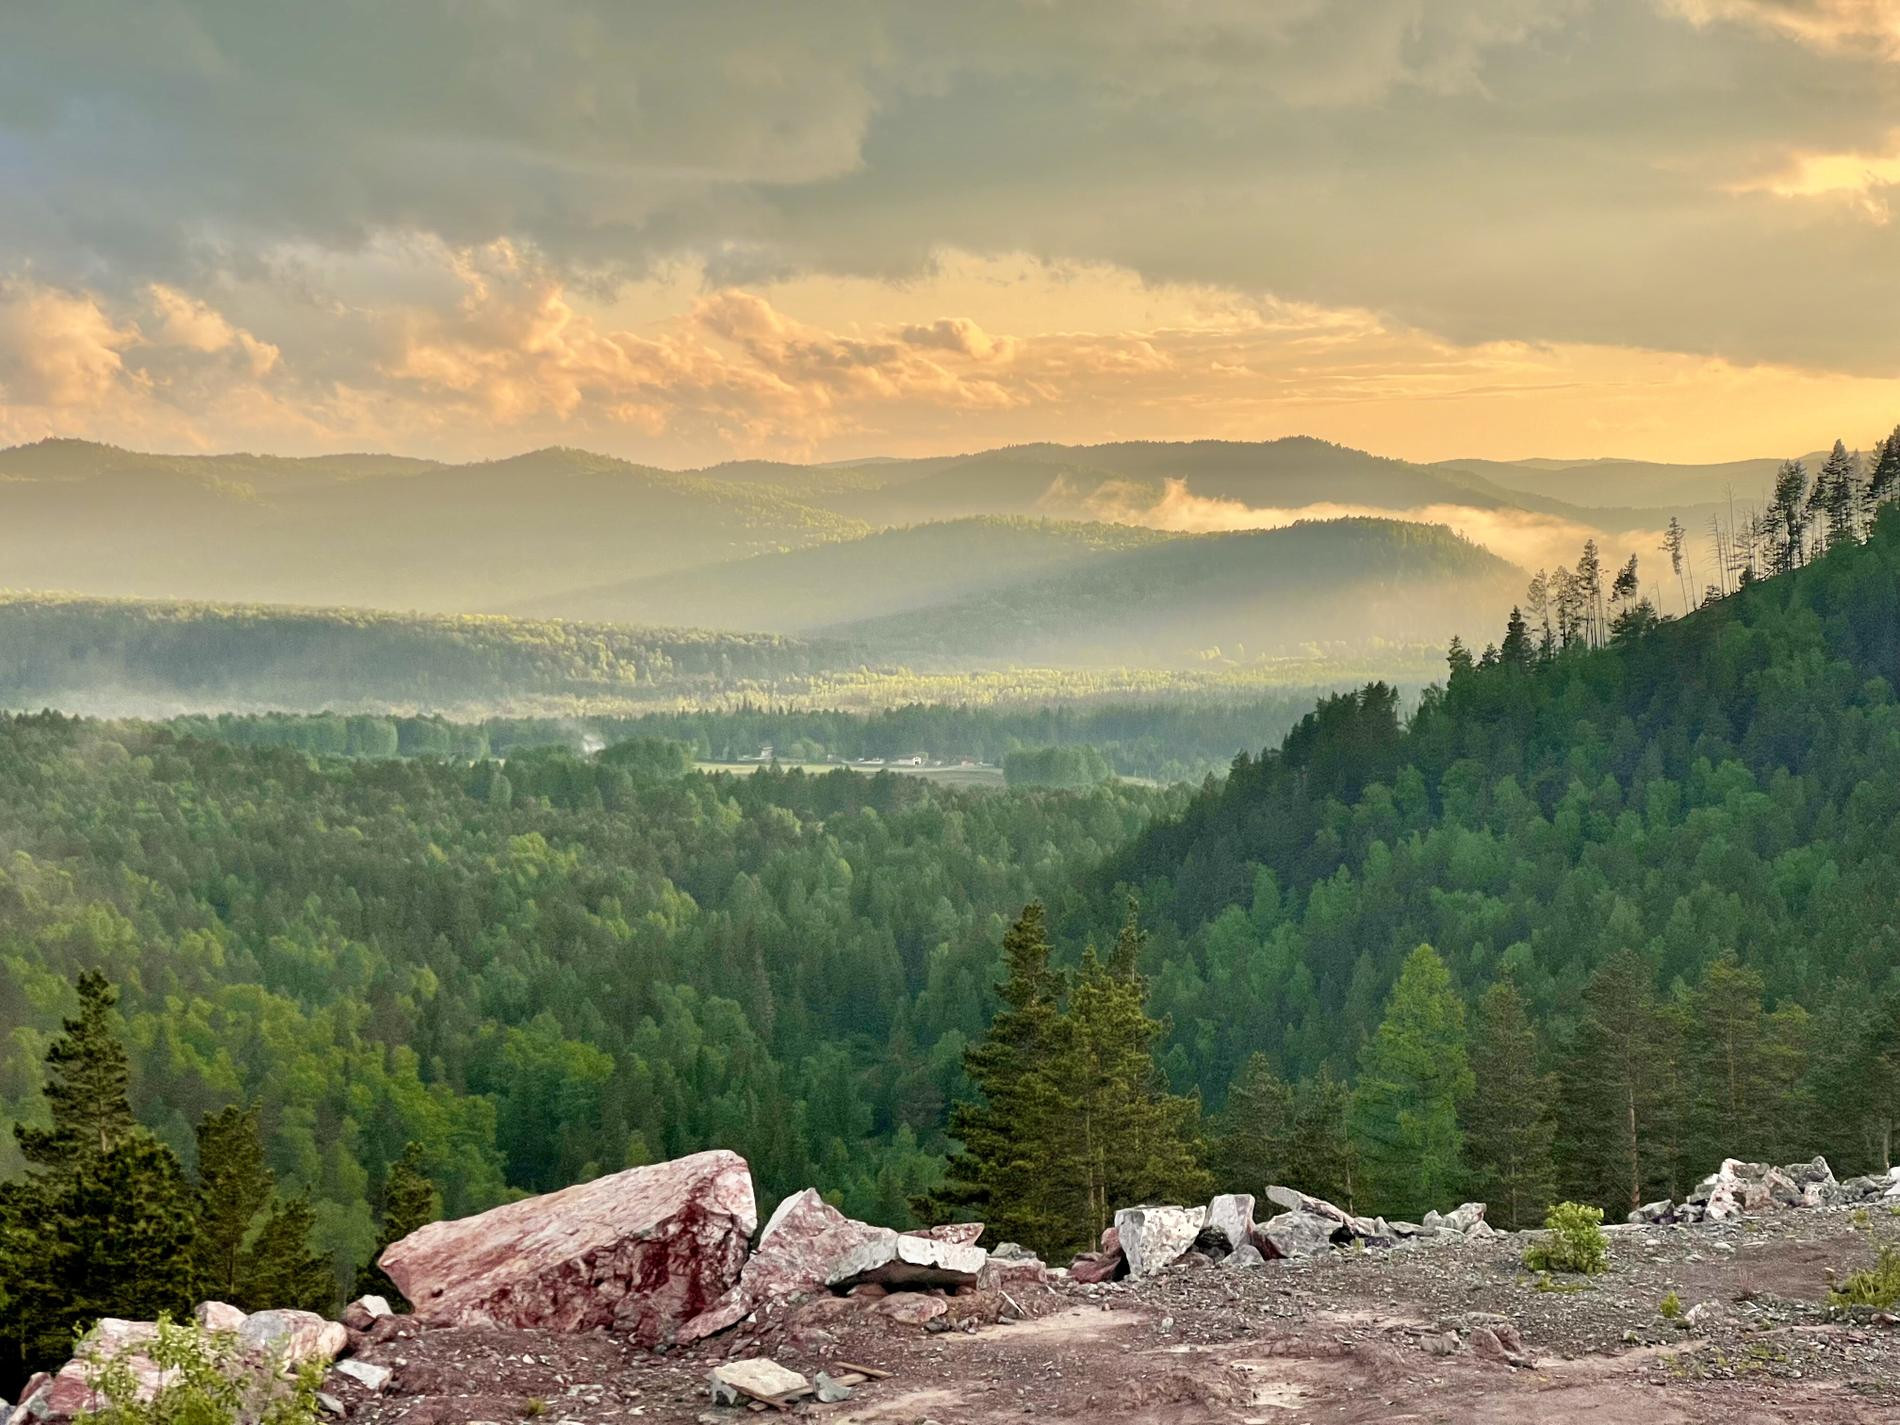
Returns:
(1611, 903)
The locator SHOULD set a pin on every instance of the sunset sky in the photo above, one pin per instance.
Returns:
(687, 230)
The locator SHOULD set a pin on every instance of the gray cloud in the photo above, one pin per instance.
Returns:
(1532, 170)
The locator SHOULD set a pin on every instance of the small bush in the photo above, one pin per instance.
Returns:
(1671, 1307)
(1574, 1241)
(1878, 1286)
(204, 1382)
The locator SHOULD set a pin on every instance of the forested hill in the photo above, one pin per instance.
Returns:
(1351, 582)
(1713, 797)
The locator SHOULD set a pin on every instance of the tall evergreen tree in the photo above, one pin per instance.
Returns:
(1883, 477)
(1788, 514)
(234, 1185)
(88, 1080)
(1508, 1128)
(1413, 1074)
(1000, 1172)
(1255, 1131)
(281, 1270)
(1617, 1141)
(1321, 1156)
(1128, 1139)
(409, 1199)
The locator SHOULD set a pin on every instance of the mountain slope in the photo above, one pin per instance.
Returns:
(372, 530)
(1240, 596)
(1631, 483)
(1719, 790)
(885, 572)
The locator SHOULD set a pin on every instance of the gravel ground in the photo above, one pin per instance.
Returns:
(1459, 1332)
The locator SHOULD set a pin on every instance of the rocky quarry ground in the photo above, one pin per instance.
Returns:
(641, 1297)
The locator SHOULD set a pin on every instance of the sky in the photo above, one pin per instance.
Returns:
(684, 231)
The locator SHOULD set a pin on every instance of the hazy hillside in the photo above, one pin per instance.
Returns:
(119, 656)
(1631, 483)
(887, 572)
(1234, 596)
(371, 530)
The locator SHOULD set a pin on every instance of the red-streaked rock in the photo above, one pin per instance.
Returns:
(217, 1316)
(643, 1251)
(69, 1392)
(805, 1238)
(912, 1308)
(892, 1259)
(292, 1338)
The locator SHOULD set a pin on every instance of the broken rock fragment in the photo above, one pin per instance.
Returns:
(735, 1382)
(643, 1251)
(1152, 1237)
(895, 1259)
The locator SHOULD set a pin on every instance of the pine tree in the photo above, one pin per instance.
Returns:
(1674, 540)
(409, 1200)
(1617, 1141)
(1000, 1173)
(280, 1269)
(1883, 477)
(104, 1224)
(1839, 485)
(1255, 1136)
(1508, 1128)
(1516, 649)
(87, 1086)
(1589, 592)
(1413, 1074)
(1321, 1157)
(1788, 514)
(234, 1185)
(1128, 1138)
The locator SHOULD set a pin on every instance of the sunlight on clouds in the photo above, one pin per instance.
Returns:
(1829, 24)
(1856, 178)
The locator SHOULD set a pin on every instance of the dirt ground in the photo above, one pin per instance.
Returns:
(1453, 1333)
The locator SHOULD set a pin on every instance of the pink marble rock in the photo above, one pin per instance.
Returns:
(805, 1237)
(643, 1251)
(68, 1392)
(963, 1234)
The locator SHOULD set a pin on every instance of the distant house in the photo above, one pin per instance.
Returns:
(916, 759)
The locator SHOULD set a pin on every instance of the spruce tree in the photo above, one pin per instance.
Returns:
(409, 1200)
(1128, 1138)
(1321, 1156)
(1255, 1135)
(1413, 1074)
(104, 1223)
(1508, 1129)
(281, 1270)
(1000, 1172)
(88, 1081)
(234, 1185)
(1619, 1139)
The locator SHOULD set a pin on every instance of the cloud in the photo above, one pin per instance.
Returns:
(1859, 179)
(1528, 539)
(1828, 24)
(58, 349)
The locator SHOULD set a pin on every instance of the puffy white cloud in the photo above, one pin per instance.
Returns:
(58, 349)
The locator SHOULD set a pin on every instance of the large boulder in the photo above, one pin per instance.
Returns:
(896, 1259)
(804, 1239)
(964, 1234)
(1294, 1200)
(1231, 1215)
(68, 1393)
(292, 1338)
(1152, 1237)
(1296, 1234)
(643, 1251)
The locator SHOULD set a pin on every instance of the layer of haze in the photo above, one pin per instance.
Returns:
(682, 232)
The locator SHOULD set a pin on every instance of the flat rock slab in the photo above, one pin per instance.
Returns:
(643, 1251)
(894, 1259)
(756, 1379)
(1231, 1214)
(1152, 1237)
(292, 1338)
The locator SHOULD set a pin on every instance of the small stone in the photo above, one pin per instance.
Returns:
(830, 1392)
(330, 1404)
(754, 1379)
(366, 1374)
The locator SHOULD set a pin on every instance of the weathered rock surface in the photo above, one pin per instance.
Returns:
(735, 1382)
(371, 1377)
(217, 1316)
(1292, 1235)
(805, 1238)
(68, 1392)
(1152, 1237)
(643, 1251)
(912, 1308)
(964, 1234)
(894, 1259)
(1231, 1215)
(1244, 1256)
(292, 1338)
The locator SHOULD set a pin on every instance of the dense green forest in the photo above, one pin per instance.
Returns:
(1174, 740)
(1615, 901)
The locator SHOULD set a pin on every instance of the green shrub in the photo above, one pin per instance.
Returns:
(205, 1382)
(1574, 1241)
(1878, 1286)
(1670, 1307)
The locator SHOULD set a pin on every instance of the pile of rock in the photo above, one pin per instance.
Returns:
(1144, 1240)
(264, 1344)
(662, 1253)
(1737, 1189)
